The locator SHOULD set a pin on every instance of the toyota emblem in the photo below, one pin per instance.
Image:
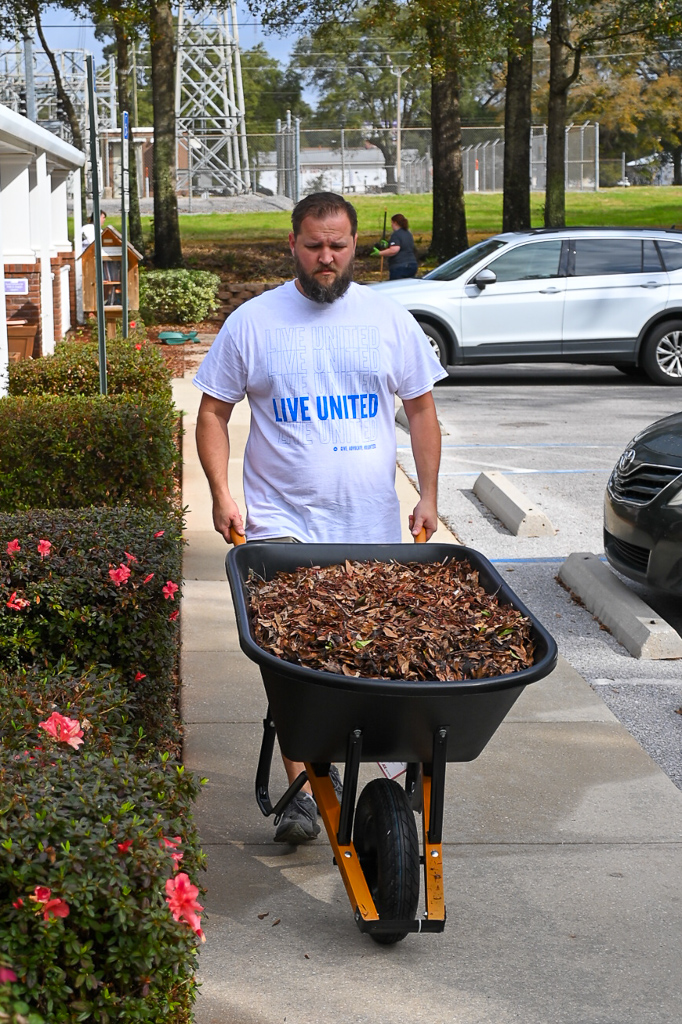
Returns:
(626, 459)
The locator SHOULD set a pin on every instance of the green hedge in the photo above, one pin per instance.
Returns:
(90, 828)
(178, 296)
(133, 366)
(68, 452)
(75, 610)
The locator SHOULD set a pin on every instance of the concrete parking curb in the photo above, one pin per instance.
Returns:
(633, 623)
(511, 506)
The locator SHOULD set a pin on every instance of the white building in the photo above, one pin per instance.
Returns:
(39, 275)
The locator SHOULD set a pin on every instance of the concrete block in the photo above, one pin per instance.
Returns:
(511, 506)
(633, 623)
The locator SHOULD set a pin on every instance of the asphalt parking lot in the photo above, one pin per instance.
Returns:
(556, 431)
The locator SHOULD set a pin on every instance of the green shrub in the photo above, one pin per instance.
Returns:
(74, 370)
(67, 604)
(67, 452)
(178, 296)
(90, 829)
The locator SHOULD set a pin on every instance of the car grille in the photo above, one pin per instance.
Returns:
(629, 554)
(642, 483)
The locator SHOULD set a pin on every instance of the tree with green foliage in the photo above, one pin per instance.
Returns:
(577, 28)
(269, 90)
(518, 17)
(353, 71)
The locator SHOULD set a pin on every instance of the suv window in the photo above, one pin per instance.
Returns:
(529, 262)
(594, 257)
(671, 253)
(459, 265)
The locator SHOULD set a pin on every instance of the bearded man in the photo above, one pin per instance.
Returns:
(320, 360)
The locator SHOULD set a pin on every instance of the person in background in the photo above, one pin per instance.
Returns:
(402, 258)
(88, 232)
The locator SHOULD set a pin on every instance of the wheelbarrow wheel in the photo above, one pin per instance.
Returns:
(385, 837)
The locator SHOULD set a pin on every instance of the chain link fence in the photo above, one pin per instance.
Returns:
(374, 160)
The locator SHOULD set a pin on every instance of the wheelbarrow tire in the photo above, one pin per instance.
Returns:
(387, 844)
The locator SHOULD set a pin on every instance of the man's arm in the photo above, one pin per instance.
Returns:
(425, 440)
(213, 446)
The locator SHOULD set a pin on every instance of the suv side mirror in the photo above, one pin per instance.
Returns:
(484, 277)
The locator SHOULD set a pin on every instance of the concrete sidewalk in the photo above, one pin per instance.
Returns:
(562, 852)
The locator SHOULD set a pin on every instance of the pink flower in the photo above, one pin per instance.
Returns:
(181, 897)
(6, 975)
(169, 590)
(55, 908)
(64, 730)
(18, 903)
(120, 575)
(173, 615)
(41, 894)
(133, 323)
(131, 558)
(125, 845)
(44, 548)
(139, 676)
(148, 578)
(159, 534)
(138, 346)
(17, 604)
(13, 548)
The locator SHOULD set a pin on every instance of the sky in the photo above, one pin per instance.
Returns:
(63, 32)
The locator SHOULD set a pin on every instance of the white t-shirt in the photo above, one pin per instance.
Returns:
(320, 459)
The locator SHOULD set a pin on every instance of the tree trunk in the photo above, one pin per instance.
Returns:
(124, 100)
(66, 103)
(449, 214)
(167, 246)
(517, 121)
(560, 81)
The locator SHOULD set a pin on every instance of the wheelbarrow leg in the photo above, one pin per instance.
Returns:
(263, 774)
(433, 785)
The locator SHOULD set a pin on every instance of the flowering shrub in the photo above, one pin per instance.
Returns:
(97, 700)
(133, 366)
(98, 597)
(97, 922)
(178, 296)
(67, 452)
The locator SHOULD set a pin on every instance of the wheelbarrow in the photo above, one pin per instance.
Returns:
(320, 718)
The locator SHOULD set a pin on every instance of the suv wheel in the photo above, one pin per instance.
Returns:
(662, 354)
(437, 343)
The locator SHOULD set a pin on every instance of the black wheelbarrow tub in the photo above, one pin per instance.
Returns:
(314, 712)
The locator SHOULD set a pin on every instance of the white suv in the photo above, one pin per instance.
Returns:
(578, 295)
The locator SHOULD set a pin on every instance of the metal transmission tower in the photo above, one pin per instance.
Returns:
(209, 103)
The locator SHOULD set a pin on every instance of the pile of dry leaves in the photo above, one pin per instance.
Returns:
(413, 621)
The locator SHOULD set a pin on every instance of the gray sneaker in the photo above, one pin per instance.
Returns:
(335, 776)
(298, 823)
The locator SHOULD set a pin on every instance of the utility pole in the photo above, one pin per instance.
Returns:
(398, 72)
(31, 112)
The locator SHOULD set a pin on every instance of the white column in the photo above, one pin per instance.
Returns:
(77, 229)
(44, 210)
(59, 227)
(4, 348)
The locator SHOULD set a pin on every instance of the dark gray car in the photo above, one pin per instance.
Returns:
(643, 507)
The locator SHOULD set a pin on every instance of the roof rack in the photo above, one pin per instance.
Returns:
(603, 227)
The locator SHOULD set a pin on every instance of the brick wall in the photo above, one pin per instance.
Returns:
(27, 307)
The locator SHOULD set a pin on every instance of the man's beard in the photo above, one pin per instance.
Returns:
(319, 292)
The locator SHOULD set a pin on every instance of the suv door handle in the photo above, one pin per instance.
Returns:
(549, 291)
(651, 284)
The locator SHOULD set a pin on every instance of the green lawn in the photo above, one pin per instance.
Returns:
(644, 207)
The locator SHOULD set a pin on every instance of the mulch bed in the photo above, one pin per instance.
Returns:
(415, 621)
